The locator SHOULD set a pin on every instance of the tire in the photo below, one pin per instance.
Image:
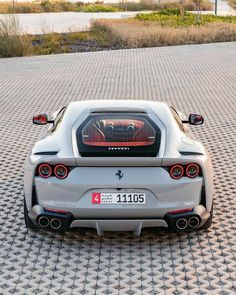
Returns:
(208, 223)
(28, 222)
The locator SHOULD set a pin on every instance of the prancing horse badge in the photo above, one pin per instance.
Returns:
(119, 174)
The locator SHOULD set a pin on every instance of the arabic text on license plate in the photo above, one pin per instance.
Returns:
(118, 198)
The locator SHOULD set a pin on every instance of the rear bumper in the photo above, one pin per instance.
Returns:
(67, 221)
(74, 194)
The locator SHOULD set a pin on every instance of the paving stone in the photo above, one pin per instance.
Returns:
(199, 78)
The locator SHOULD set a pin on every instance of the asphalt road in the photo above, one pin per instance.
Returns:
(198, 78)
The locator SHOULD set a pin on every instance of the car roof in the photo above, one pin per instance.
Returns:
(106, 105)
(75, 110)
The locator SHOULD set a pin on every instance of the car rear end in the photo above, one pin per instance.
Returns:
(118, 181)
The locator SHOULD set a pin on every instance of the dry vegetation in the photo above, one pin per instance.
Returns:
(232, 3)
(134, 34)
(14, 43)
(11, 43)
(163, 4)
(58, 6)
(163, 28)
(36, 7)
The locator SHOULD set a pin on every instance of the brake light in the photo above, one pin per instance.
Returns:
(45, 170)
(177, 171)
(192, 170)
(60, 171)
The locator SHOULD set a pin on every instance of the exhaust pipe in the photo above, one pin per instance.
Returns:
(193, 222)
(55, 223)
(181, 223)
(43, 221)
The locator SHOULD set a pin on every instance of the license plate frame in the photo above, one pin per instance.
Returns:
(119, 198)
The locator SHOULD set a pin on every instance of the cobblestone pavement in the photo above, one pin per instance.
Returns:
(199, 78)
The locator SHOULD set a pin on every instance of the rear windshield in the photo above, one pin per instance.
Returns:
(118, 135)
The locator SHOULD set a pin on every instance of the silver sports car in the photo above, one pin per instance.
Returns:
(118, 165)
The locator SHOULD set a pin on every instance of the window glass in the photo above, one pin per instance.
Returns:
(118, 132)
(123, 132)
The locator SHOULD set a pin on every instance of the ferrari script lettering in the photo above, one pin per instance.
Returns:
(118, 148)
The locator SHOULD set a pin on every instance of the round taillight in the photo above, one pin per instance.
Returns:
(192, 170)
(45, 170)
(177, 171)
(60, 171)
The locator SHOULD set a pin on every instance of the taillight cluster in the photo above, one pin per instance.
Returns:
(191, 170)
(46, 170)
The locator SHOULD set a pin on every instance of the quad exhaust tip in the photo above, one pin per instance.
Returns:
(55, 223)
(193, 222)
(43, 221)
(181, 223)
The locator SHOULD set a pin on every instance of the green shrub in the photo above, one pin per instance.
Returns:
(171, 18)
(169, 11)
(97, 8)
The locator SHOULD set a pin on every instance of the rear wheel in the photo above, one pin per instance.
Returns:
(28, 222)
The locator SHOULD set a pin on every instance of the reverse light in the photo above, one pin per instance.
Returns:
(192, 170)
(60, 171)
(45, 170)
(177, 171)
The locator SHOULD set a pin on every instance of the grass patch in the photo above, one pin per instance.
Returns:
(171, 18)
(55, 43)
(60, 6)
(97, 8)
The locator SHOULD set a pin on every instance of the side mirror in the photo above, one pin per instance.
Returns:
(195, 119)
(41, 119)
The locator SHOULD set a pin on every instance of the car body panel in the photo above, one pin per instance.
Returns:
(74, 193)
(141, 174)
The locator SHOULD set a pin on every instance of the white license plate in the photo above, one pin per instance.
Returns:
(118, 198)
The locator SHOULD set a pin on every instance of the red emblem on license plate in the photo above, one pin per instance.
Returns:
(96, 198)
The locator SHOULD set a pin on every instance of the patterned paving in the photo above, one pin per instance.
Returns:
(199, 78)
